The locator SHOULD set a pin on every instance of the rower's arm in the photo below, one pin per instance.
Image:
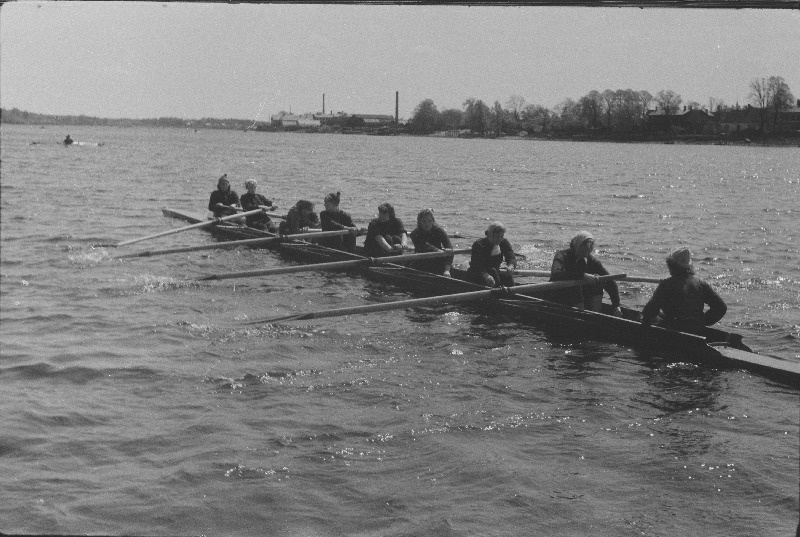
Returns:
(653, 306)
(716, 306)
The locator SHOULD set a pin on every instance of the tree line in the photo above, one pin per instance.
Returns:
(610, 111)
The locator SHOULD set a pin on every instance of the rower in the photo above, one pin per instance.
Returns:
(487, 255)
(682, 298)
(223, 200)
(252, 201)
(300, 219)
(68, 140)
(333, 219)
(578, 263)
(386, 234)
(428, 236)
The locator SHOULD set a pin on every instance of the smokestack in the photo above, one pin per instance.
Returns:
(323, 104)
(396, 107)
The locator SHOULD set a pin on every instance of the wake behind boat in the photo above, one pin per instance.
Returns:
(717, 348)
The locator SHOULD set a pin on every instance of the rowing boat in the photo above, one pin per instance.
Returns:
(715, 347)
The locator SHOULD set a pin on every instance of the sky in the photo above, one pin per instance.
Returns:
(250, 61)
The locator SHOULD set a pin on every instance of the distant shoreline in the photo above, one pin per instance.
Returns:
(748, 139)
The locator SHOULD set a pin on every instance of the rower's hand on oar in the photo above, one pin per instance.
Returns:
(590, 278)
(617, 311)
(488, 280)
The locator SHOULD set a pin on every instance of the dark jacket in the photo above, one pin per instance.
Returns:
(296, 221)
(682, 300)
(482, 258)
(392, 231)
(333, 221)
(431, 241)
(568, 266)
(251, 202)
(226, 198)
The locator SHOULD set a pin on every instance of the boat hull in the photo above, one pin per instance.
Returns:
(717, 348)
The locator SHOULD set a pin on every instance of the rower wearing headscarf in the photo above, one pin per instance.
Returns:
(578, 263)
(682, 298)
(487, 255)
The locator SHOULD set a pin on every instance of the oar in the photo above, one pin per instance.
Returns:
(336, 265)
(191, 226)
(546, 273)
(243, 242)
(498, 292)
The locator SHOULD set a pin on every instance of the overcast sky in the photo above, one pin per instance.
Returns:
(249, 61)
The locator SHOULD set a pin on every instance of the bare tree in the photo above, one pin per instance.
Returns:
(669, 102)
(516, 104)
(782, 97)
(761, 97)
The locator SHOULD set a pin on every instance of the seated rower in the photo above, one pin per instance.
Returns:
(252, 201)
(223, 200)
(334, 219)
(68, 140)
(300, 219)
(430, 237)
(682, 297)
(386, 234)
(578, 263)
(487, 255)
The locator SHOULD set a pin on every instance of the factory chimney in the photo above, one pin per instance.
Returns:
(396, 107)
(323, 104)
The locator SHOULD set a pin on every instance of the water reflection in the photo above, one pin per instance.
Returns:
(682, 393)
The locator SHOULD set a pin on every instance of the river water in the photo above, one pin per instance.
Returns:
(136, 401)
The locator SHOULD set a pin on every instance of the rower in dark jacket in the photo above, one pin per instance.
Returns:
(300, 219)
(223, 200)
(252, 201)
(335, 219)
(487, 255)
(386, 234)
(578, 263)
(682, 298)
(428, 236)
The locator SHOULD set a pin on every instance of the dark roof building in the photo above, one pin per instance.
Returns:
(692, 120)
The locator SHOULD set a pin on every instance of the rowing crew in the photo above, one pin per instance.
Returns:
(678, 301)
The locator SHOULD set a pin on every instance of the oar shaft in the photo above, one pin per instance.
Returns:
(546, 273)
(191, 226)
(234, 244)
(215, 246)
(333, 265)
(528, 289)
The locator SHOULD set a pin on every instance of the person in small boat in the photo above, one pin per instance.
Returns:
(488, 254)
(386, 234)
(68, 140)
(428, 236)
(223, 200)
(334, 219)
(678, 302)
(578, 263)
(252, 201)
(300, 219)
